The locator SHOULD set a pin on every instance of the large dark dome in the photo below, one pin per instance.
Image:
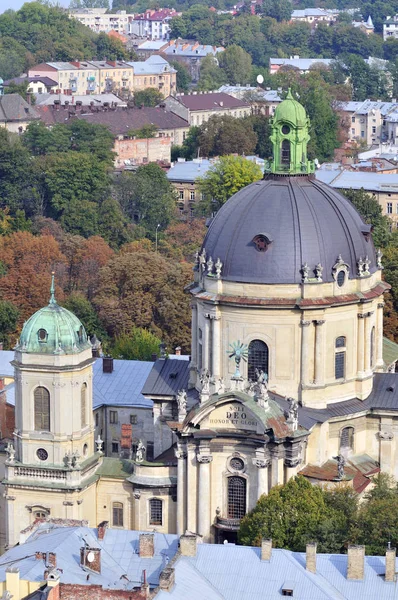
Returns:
(304, 220)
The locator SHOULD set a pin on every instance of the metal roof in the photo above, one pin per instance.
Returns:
(300, 63)
(238, 573)
(189, 170)
(14, 108)
(210, 101)
(153, 64)
(6, 369)
(121, 565)
(168, 375)
(123, 386)
(375, 182)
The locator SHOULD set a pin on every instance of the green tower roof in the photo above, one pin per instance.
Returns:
(291, 111)
(53, 330)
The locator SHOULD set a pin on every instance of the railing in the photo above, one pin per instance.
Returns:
(40, 473)
(225, 523)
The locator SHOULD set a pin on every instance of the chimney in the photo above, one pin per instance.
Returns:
(52, 559)
(154, 357)
(90, 558)
(310, 557)
(107, 364)
(147, 545)
(188, 545)
(112, 63)
(178, 351)
(356, 562)
(12, 581)
(266, 549)
(102, 527)
(390, 564)
(75, 64)
(166, 579)
(1, 346)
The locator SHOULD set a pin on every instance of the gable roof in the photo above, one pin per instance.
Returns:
(210, 101)
(123, 386)
(37, 79)
(189, 170)
(167, 376)
(14, 108)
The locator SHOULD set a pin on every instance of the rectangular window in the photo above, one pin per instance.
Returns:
(397, 207)
(339, 365)
(352, 119)
(389, 208)
(192, 195)
(113, 416)
(362, 134)
(155, 512)
(149, 451)
(133, 419)
(117, 514)
(181, 192)
(352, 131)
(373, 129)
(115, 447)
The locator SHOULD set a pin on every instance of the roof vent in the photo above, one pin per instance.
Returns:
(288, 588)
(391, 388)
(173, 375)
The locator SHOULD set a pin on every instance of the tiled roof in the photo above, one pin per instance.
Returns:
(119, 121)
(237, 573)
(186, 49)
(210, 101)
(14, 108)
(37, 79)
(167, 376)
(153, 65)
(95, 99)
(123, 386)
(121, 565)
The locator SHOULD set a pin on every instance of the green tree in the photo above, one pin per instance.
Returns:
(281, 10)
(148, 97)
(291, 515)
(109, 47)
(85, 311)
(76, 4)
(226, 177)
(9, 315)
(137, 344)
(237, 65)
(18, 88)
(211, 76)
(183, 75)
(146, 197)
(226, 135)
(372, 213)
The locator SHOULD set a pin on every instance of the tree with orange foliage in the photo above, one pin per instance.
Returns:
(26, 264)
(181, 240)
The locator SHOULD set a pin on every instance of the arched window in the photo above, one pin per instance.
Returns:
(83, 404)
(347, 438)
(257, 359)
(155, 511)
(372, 348)
(42, 409)
(285, 153)
(236, 497)
(339, 358)
(117, 514)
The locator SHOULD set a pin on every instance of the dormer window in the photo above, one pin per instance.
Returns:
(42, 336)
(261, 242)
(80, 334)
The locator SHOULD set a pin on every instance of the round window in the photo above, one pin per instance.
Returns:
(341, 278)
(42, 454)
(237, 464)
(285, 129)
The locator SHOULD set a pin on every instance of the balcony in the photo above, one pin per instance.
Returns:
(227, 524)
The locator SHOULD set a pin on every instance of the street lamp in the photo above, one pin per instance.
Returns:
(156, 238)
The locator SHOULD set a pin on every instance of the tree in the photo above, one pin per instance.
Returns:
(148, 97)
(137, 344)
(281, 10)
(237, 65)
(9, 315)
(372, 213)
(109, 47)
(226, 177)
(226, 135)
(183, 75)
(146, 290)
(291, 515)
(85, 312)
(211, 76)
(146, 197)
(78, 4)
(181, 240)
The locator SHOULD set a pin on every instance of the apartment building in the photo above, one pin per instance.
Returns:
(313, 16)
(262, 102)
(198, 107)
(370, 122)
(390, 28)
(153, 24)
(97, 19)
(155, 72)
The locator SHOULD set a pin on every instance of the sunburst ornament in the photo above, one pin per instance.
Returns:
(238, 351)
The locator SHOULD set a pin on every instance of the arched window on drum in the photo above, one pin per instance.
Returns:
(257, 359)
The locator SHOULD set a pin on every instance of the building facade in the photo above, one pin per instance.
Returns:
(197, 107)
(99, 20)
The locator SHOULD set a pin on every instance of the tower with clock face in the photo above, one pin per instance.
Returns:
(50, 467)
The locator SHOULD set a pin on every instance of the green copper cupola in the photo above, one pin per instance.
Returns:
(289, 138)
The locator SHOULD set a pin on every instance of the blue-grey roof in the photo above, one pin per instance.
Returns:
(257, 92)
(300, 63)
(189, 170)
(168, 375)
(6, 369)
(119, 556)
(365, 107)
(313, 12)
(305, 221)
(237, 573)
(123, 386)
(183, 49)
(153, 64)
(373, 182)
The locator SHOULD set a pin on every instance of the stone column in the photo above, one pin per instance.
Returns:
(319, 366)
(216, 340)
(191, 500)
(181, 456)
(262, 475)
(368, 329)
(12, 529)
(194, 345)
(379, 337)
(205, 344)
(361, 345)
(386, 437)
(204, 522)
(305, 327)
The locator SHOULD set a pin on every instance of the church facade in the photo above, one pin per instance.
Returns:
(286, 372)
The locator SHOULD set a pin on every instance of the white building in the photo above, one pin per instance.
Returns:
(97, 19)
(153, 24)
(390, 28)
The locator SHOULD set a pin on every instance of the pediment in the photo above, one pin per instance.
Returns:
(230, 412)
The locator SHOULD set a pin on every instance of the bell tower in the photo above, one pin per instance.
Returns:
(289, 138)
(50, 467)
